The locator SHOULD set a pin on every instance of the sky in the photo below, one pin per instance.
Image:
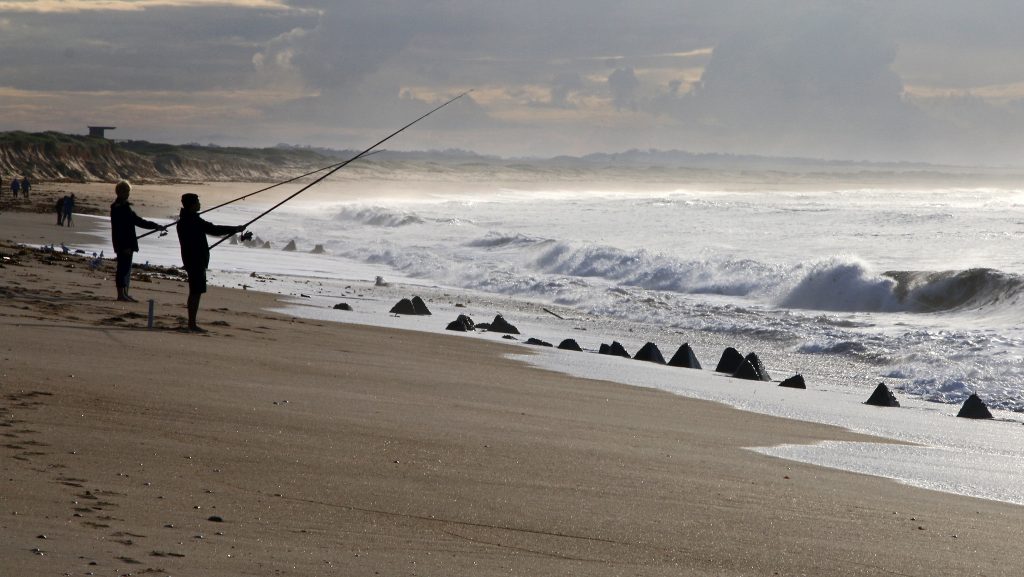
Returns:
(896, 80)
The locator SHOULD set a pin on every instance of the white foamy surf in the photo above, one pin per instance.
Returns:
(916, 288)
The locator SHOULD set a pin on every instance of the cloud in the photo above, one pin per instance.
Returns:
(161, 48)
(75, 6)
(805, 77)
(562, 88)
(807, 83)
(623, 85)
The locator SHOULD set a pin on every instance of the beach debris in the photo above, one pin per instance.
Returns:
(794, 382)
(342, 307)
(420, 306)
(730, 361)
(882, 397)
(413, 306)
(500, 325)
(463, 324)
(974, 408)
(649, 352)
(554, 314)
(318, 249)
(215, 519)
(685, 358)
(614, 349)
(752, 369)
(570, 345)
(538, 342)
(403, 307)
(290, 247)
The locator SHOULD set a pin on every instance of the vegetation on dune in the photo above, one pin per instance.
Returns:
(66, 157)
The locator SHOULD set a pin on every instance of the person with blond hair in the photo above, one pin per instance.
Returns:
(123, 221)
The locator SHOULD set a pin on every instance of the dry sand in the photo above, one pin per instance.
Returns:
(277, 446)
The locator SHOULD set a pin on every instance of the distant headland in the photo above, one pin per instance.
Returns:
(60, 157)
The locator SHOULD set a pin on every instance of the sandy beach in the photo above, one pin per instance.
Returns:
(279, 446)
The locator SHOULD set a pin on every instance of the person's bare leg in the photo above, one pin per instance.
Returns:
(193, 311)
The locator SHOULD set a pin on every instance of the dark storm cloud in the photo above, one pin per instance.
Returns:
(562, 88)
(824, 79)
(161, 48)
(623, 85)
(908, 79)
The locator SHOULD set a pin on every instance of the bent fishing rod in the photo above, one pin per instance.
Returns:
(342, 165)
(243, 197)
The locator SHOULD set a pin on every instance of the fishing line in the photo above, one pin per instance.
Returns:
(243, 197)
(342, 165)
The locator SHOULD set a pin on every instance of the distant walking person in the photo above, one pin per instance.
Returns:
(195, 251)
(69, 208)
(60, 210)
(123, 221)
(15, 187)
(25, 186)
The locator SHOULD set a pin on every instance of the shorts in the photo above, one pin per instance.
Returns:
(196, 280)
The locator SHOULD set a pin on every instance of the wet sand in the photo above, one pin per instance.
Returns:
(278, 446)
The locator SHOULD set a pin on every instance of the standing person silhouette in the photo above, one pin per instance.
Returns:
(15, 187)
(69, 208)
(60, 210)
(195, 251)
(123, 221)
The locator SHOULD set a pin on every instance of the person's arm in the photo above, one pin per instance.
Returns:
(147, 224)
(220, 229)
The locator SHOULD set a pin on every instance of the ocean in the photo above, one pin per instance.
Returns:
(916, 286)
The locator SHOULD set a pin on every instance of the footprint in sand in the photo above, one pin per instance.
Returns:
(128, 560)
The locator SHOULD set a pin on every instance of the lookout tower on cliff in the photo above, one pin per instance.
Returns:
(97, 131)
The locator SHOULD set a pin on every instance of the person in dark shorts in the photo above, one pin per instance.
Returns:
(195, 251)
(123, 221)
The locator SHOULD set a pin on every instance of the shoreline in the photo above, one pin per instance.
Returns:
(327, 448)
(928, 463)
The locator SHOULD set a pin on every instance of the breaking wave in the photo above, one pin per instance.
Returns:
(498, 240)
(647, 270)
(973, 289)
(377, 216)
(837, 284)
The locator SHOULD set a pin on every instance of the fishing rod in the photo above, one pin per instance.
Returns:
(243, 197)
(342, 165)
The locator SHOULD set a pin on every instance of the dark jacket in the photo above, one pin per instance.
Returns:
(123, 221)
(192, 231)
